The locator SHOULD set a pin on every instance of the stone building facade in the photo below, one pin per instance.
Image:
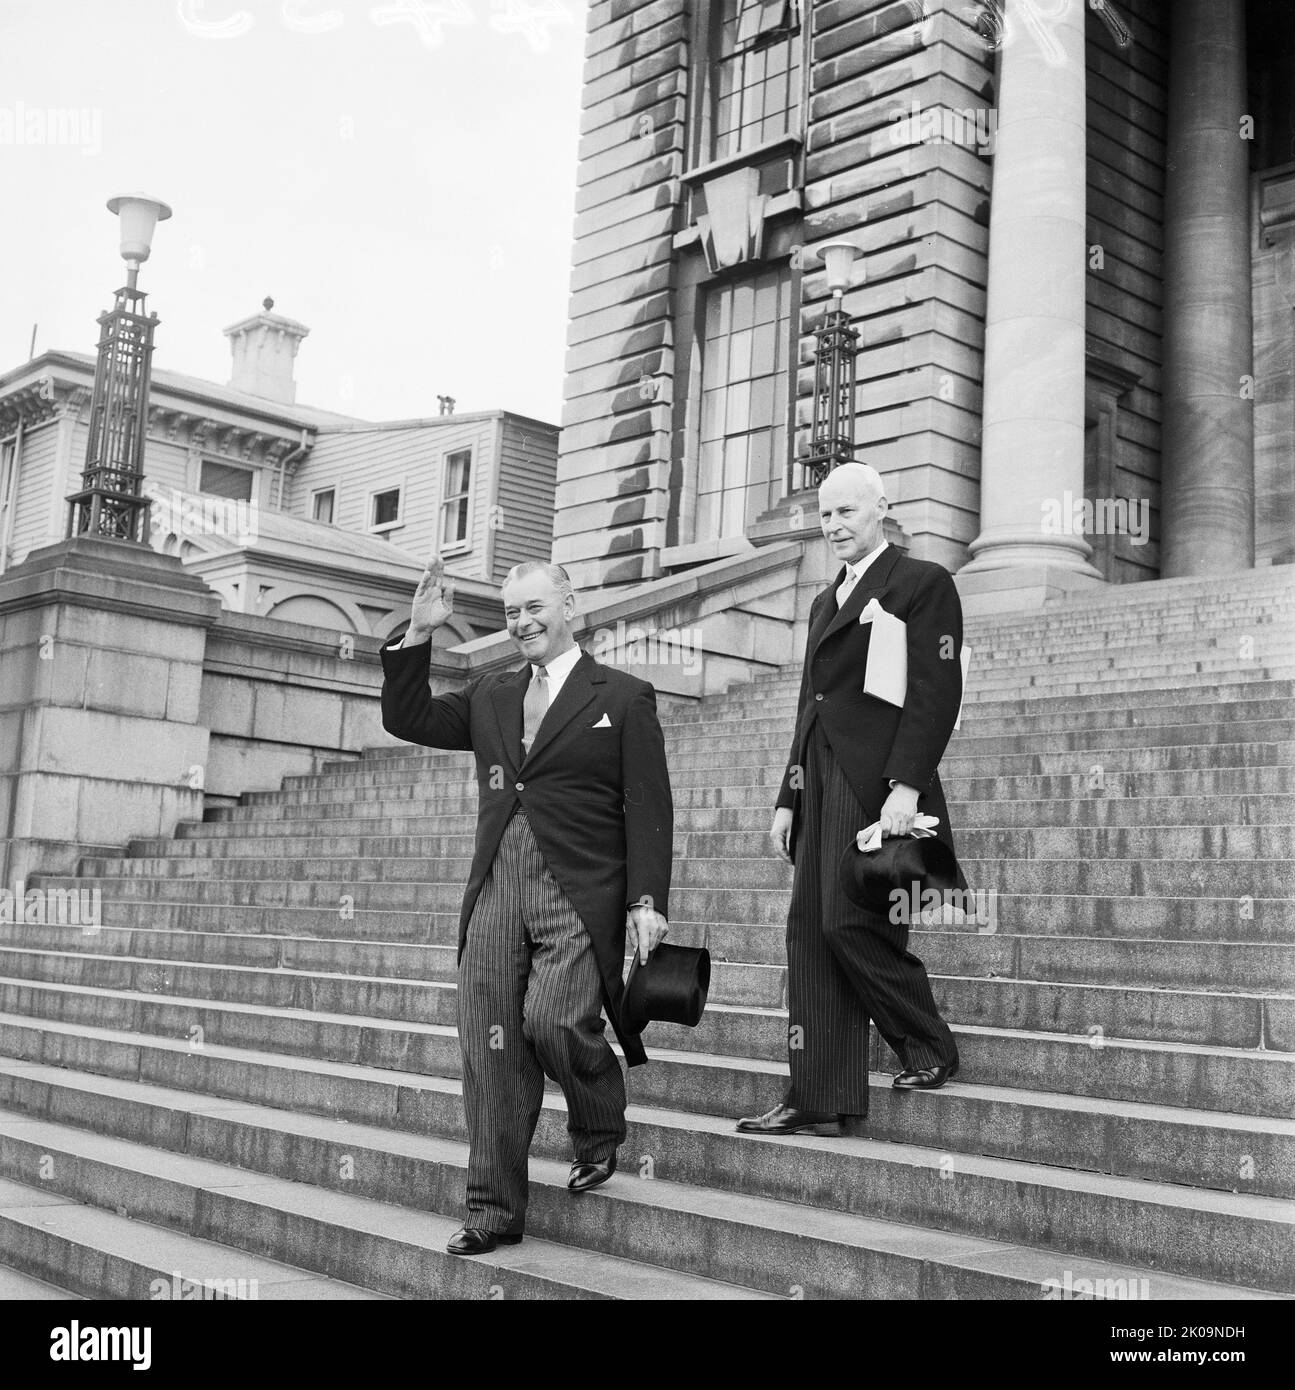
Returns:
(1074, 294)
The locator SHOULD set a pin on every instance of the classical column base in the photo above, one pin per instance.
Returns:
(1020, 587)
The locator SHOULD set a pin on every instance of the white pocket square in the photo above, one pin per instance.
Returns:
(603, 723)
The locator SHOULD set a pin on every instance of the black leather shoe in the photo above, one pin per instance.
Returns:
(585, 1176)
(471, 1241)
(924, 1078)
(782, 1119)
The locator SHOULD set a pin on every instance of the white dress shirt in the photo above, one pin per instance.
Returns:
(854, 572)
(558, 670)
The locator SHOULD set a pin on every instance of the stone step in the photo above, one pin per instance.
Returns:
(977, 739)
(243, 1216)
(1102, 780)
(49, 1235)
(988, 719)
(761, 918)
(70, 1073)
(743, 760)
(440, 882)
(1214, 1075)
(377, 856)
(779, 701)
(680, 1233)
(1222, 1016)
(1238, 722)
(762, 699)
(1115, 762)
(759, 783)
(1241, 1080)
(709, 808)
(1264, 967)
(458, 801)
(697, 808)
(16, 1286)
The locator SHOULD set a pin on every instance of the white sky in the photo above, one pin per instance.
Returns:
(412, 202)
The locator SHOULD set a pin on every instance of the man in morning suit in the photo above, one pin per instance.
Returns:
(855, 761)
(575, 825)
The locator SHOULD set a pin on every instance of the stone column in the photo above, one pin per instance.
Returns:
(1207, 441)
(1032, 446)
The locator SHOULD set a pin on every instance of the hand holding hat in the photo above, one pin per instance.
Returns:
(647, 929)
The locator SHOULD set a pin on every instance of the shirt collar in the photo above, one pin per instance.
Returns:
(857, 568)
(560, 667)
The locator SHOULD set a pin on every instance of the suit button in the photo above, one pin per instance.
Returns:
(818, 697)
(521, 786)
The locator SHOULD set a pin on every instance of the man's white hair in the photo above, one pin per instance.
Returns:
(863, 475)
(557, 576)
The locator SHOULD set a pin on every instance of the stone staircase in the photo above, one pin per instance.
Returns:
(249, 1072)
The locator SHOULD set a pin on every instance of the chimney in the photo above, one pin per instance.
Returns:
(264, 347)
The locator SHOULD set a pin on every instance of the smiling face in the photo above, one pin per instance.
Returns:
(538, 617)
(852, 508)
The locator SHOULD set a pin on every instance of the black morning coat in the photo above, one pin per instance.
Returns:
(872, 741)
(594, 786)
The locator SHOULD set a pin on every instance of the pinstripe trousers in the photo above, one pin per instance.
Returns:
(844, 964)
(529, 1004)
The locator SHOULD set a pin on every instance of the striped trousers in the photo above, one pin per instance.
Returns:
(846, 965)
(529, 1005)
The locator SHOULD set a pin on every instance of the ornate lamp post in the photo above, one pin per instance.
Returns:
(111, 504)
(836, 344)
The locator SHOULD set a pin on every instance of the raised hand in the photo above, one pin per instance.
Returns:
(433, 603)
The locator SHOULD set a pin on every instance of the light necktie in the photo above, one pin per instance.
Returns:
(846, 585)
(534, 707)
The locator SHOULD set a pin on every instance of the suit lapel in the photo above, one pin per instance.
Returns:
(872, 583)
(507, 697)
(577, 692)
(826, 612)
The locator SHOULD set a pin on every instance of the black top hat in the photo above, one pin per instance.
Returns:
(905, 863)
(670, 988)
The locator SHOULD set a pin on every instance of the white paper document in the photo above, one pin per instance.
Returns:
(885, 675)
(869, 838)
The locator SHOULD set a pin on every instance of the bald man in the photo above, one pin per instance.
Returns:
(856, 760)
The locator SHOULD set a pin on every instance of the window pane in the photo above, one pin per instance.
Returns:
(458, 469)
(775, 98)
(759, 455)
(735, 451)
(725, 117)
(386, 507)
(743, 306)
(709, 467)
(762, 392)
(739, 357)
(712, 414)
(706, 526)
(733, 517)
(324, 506)
(738, 414)
(454, 521)
(762, 349)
